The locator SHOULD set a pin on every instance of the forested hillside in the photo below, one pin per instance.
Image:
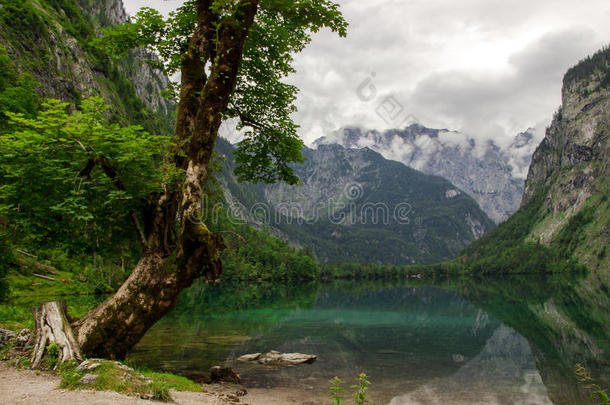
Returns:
(70, 195)
(355, 205)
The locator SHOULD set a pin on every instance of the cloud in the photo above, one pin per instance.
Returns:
(499, 104)
(491, 68)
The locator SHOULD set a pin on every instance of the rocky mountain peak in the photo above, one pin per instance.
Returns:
(493, 176)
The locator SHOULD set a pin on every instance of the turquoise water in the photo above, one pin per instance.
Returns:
(462, 343)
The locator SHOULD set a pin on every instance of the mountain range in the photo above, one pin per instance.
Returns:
(355, 205)
(494, 176)
(399, 197)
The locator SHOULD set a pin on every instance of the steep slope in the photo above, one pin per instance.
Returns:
(565, 214)
(494, 177)
(354, 205)
(571, 168)
(50, 40)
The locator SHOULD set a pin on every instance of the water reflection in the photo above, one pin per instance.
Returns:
(460, 342)
(504, 372)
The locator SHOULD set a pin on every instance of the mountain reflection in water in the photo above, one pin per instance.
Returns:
(458, 342)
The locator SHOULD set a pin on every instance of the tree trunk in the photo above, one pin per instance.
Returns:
(150, 292)
(52, 326)
(180, 248)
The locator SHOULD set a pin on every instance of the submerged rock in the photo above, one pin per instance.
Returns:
(278, 359)
(224, 374)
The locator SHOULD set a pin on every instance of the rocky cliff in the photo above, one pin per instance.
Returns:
(147, 82)
(50, 40)
(571, 168)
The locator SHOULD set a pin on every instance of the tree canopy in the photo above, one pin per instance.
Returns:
(262, 103)
(70, 177)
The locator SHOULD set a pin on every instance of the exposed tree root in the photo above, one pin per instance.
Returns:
(52, 326)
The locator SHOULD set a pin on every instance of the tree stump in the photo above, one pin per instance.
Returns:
(52, 326)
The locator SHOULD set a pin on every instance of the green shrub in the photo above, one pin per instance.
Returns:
(160, 391)
(598, 395)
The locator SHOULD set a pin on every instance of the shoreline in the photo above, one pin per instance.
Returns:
(34, 387)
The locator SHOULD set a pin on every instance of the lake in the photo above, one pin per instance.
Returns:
(493, 341)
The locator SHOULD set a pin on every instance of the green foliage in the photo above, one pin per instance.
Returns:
(595, 64)
(4, 352)
(362, 385)
(336, 390)
(160, 392)
(52, 355)
(15, 317)
(505, 249)
(574, 233)
(360, 396)
(171, 381)
(598, 396)
(261, 102)
(22, 17)
(72, 19)
(255, 255)
(6, 262)
(72, 180)
(23, 362)
(17, 93)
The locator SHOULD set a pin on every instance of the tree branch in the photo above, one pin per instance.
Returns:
(109, 170)
(249, 121)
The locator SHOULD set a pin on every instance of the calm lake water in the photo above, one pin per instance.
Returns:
(486, 342)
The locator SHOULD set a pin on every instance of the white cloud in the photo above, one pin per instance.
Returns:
(491, 68)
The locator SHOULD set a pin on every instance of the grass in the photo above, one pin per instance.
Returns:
(114, 376)
(28, 291)
(175, 382)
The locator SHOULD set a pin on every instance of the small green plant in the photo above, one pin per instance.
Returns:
(52, 358)
(160, 391)
(362, 385)
(4, 353)
(23, 362)
(360, 396)
(336, 390)
(598, 396)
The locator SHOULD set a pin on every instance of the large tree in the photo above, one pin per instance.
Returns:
(232, 56)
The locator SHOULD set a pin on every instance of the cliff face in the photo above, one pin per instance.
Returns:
(50, 40)
(147, 82)
(571, 167)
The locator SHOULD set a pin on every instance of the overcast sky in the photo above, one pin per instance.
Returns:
(487, 67)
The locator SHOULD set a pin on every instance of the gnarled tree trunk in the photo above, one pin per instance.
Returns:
(52, 326)
(180, 248)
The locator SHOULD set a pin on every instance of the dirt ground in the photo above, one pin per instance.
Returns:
(26, 387)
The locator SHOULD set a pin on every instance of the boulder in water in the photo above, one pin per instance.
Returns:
(278, 359)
